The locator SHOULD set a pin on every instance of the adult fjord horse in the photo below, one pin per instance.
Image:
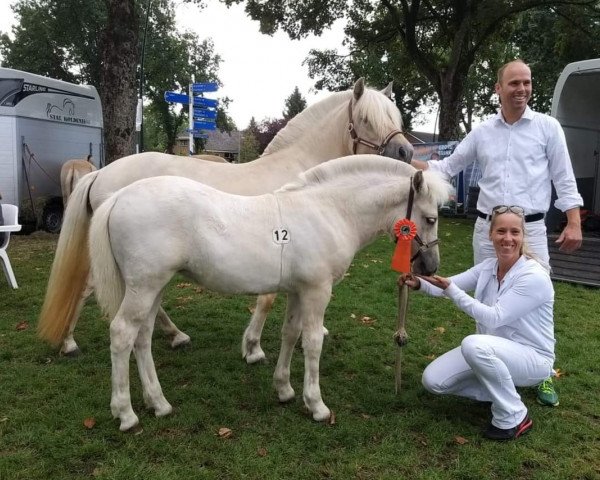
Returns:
(301, 239)
(356, 121)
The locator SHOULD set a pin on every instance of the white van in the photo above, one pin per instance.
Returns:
(43, 123)
(576, 105)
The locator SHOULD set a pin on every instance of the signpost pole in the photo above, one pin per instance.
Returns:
(191, 116)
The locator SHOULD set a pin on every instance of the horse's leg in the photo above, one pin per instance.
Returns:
(176, 337)
(290, 331)
(152, 392)
(251, 349)
(312, 309)
(69, 346)
(124, 330)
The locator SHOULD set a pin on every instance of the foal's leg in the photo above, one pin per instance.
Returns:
(312, 305)
(153, 395)
(251, 349)
(289, 336)
(124, 330)
(69, 347)
(176, 336)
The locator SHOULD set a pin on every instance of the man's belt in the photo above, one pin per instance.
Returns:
(534, 217)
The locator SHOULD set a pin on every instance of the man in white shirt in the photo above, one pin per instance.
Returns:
(520, 153)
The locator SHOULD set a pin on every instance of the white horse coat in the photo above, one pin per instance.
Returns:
(319, 133)
(299, 240)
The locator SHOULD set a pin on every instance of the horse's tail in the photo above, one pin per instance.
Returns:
(70, 268)
(109, 286)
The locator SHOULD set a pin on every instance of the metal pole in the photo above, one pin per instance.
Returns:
(191, 115)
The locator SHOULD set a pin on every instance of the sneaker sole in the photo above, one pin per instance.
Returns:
(548, 404)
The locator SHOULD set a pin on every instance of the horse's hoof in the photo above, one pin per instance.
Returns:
(258, 357)
(71, 353)
(324, 415)
(129, 423)
(180, 340)
(286, 395)
(163, 410)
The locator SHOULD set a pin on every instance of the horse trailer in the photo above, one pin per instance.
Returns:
(576, 105)
(44, 123)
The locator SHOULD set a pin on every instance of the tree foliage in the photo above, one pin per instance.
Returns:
(100, 43)
(433, 46)
(294, 104)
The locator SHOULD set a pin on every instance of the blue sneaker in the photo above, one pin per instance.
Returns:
(546, 395)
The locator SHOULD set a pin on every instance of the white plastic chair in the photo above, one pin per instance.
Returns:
(11, 215)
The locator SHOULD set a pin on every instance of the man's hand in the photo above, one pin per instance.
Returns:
(570, 239)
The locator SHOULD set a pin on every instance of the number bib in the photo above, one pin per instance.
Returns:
(281, 235)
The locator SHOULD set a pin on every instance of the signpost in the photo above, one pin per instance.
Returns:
(201, 111)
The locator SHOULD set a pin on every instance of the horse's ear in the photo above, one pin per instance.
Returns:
(418, 181)
(387, 91)
(359, 88)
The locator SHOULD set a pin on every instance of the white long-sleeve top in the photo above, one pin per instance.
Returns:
(520, 308)
(517, 163)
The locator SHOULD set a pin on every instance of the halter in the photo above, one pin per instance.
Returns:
(423, 247)
(356, 139)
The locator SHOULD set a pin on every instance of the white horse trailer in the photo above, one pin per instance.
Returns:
(43, 123)
(576, 105)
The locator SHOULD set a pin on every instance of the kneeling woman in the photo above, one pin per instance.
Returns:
(513, 313)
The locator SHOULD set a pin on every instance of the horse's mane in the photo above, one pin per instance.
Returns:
(372, 105)
(309, 117)
(340, 170)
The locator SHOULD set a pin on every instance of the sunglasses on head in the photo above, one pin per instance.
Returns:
(499, 209)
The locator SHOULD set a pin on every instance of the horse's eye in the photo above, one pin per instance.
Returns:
(431, 220)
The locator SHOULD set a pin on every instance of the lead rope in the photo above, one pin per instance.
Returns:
(400, 336)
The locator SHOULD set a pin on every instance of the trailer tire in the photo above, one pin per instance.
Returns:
(52, 217)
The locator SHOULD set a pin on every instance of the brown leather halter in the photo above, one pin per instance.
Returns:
(422, 245)
(356, 139)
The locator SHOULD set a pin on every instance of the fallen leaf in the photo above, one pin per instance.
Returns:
(440, 330)
(252, 308)
(225, 432)
(3, 419)
(24, 325)
(367, 320)
(184, 285)
(430, 357)
(365, 416)
(460, 440)
(352, 315)
(262, 452)
(89, 422)
(558, 373)
(198, 289)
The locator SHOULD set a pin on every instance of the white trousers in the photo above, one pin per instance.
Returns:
(535, 236)
(488, 369)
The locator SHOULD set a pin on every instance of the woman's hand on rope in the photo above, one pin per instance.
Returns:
(409, 279)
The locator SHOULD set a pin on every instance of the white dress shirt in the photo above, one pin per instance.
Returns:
(517, 163)
(520, 308)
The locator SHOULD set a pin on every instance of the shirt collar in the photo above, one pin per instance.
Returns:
(516, 267)
(527, 115)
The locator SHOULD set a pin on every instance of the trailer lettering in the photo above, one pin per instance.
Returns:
(28, 87)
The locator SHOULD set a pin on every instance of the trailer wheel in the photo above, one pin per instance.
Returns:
(52, 218)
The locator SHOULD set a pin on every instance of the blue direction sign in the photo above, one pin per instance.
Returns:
(173, 97)
(204, 113)
(204, 125)
(204, 87)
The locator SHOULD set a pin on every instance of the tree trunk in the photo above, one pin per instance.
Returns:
(119, 53)
(451, 91)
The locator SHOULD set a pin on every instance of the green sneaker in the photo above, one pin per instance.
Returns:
(546, 395)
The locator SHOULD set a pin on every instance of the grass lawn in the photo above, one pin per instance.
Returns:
(55, 420)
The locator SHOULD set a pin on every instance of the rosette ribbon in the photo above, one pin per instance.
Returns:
(405, 231)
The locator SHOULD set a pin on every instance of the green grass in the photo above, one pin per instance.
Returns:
(44, 399)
